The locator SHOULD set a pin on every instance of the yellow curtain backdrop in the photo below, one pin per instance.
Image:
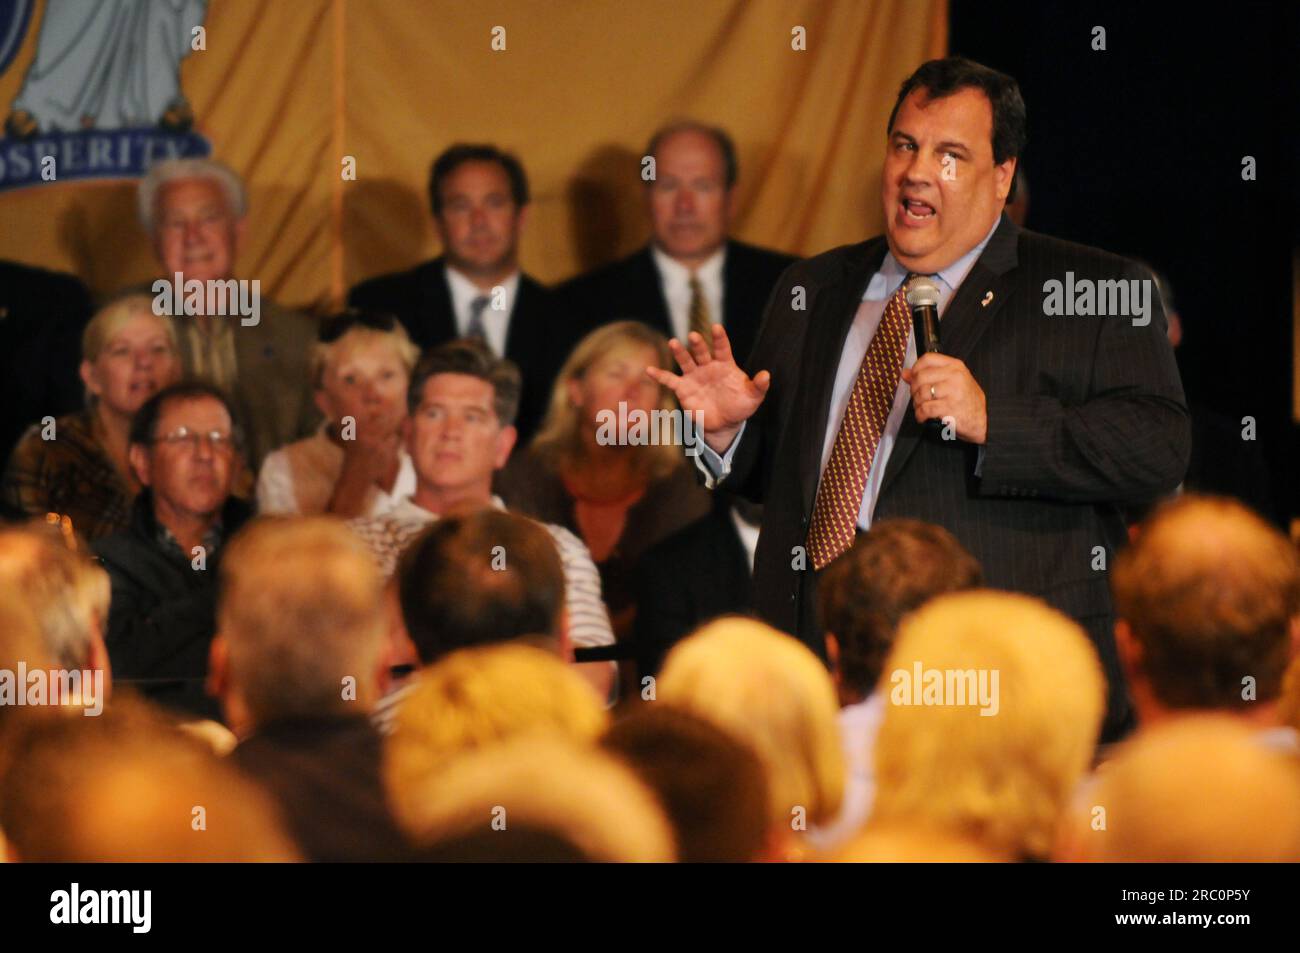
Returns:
(286, 91)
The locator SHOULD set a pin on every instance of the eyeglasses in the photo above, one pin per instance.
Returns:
(184, 437)
(337, 325)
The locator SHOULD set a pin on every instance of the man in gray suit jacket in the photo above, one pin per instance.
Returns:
(1055, 399)
(255, 351)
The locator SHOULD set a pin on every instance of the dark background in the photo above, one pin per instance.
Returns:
(1138, 149)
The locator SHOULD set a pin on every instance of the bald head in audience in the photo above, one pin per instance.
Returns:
(128, 787)
(1199, 789)
(1207, 602)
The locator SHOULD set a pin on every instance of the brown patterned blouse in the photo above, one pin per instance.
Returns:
(71, 474)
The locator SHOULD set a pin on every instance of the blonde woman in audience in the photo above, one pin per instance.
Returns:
(771, 692)
(475, 698)
(77, 465)
(555, 786)
(355, 464)
(994, 703)
(620, 497)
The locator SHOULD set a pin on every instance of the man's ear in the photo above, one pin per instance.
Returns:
(1295, 636)
(562, 642)
(521, 219)
(138, 457)
(1130, 650)
(97, 659)
(1003, 175)
(505, 443)
(218, 668)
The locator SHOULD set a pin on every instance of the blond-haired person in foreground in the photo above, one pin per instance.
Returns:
(560, 788)
(1200, 789)
(977, 757)
(477, 698)
(771, 692)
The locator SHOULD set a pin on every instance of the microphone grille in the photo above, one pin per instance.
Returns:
(921, 292)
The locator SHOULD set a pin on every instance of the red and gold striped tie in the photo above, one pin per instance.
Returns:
(839, 494)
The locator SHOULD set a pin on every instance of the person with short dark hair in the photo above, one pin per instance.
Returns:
(185, 450)
(692, 274)
(891, 570)
(479, 198)
(1024, 433)
(462, 401)
(712, 786)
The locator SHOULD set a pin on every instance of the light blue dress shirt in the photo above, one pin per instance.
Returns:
(880, 289)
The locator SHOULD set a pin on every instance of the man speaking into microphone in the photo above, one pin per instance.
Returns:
(1046, 422)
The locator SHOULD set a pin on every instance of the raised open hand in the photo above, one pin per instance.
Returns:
(713, 385)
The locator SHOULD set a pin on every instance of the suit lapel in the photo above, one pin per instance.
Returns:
(524, 328)
(833, 312)
(650, 288)
(437, 307)
(977, 302)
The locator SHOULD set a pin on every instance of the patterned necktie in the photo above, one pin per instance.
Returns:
(699, 314)
(839, 494)
(476, 309)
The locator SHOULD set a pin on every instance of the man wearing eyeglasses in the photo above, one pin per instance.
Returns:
(163, 568)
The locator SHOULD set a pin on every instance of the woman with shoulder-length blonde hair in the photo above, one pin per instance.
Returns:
(76, 465)
(618, 484)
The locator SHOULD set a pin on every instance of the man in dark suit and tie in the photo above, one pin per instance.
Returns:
(1046, 422)
(691, 275)
(479, 197)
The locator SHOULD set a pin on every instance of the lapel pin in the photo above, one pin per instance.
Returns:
(987, 298)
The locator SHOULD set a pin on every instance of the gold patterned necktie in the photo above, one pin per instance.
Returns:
(699, 315)
(839, 494)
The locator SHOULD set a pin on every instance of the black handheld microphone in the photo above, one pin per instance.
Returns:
(923, 299)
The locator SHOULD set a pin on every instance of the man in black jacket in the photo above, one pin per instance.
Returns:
(479, 197)
(163, 568)
(300, 661)
(692, 274)
(1047, 417)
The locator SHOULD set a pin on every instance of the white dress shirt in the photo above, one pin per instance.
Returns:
(496, 322)
(675, 280)
(880, 289)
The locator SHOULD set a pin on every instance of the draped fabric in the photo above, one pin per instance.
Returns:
(287, 92)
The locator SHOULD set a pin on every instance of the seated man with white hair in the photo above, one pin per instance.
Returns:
(195, 211)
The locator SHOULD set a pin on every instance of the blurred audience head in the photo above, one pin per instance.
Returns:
(184, 448)
(994, 705)
(300, 620)
(361, 368)
(22, 646)
(772, 693)
(690, 197)
(1201, 789)
(129, 787)
(508, 800)
(463, 400)
(479, 697)
(482, 578)
(193, 210)
(864, 594)
(607, 368)
(1207, 600)
(479, 197)
(128, 354)
(712, 787)
(68, 594)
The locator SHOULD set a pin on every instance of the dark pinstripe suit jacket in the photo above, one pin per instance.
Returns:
(1084, 414)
